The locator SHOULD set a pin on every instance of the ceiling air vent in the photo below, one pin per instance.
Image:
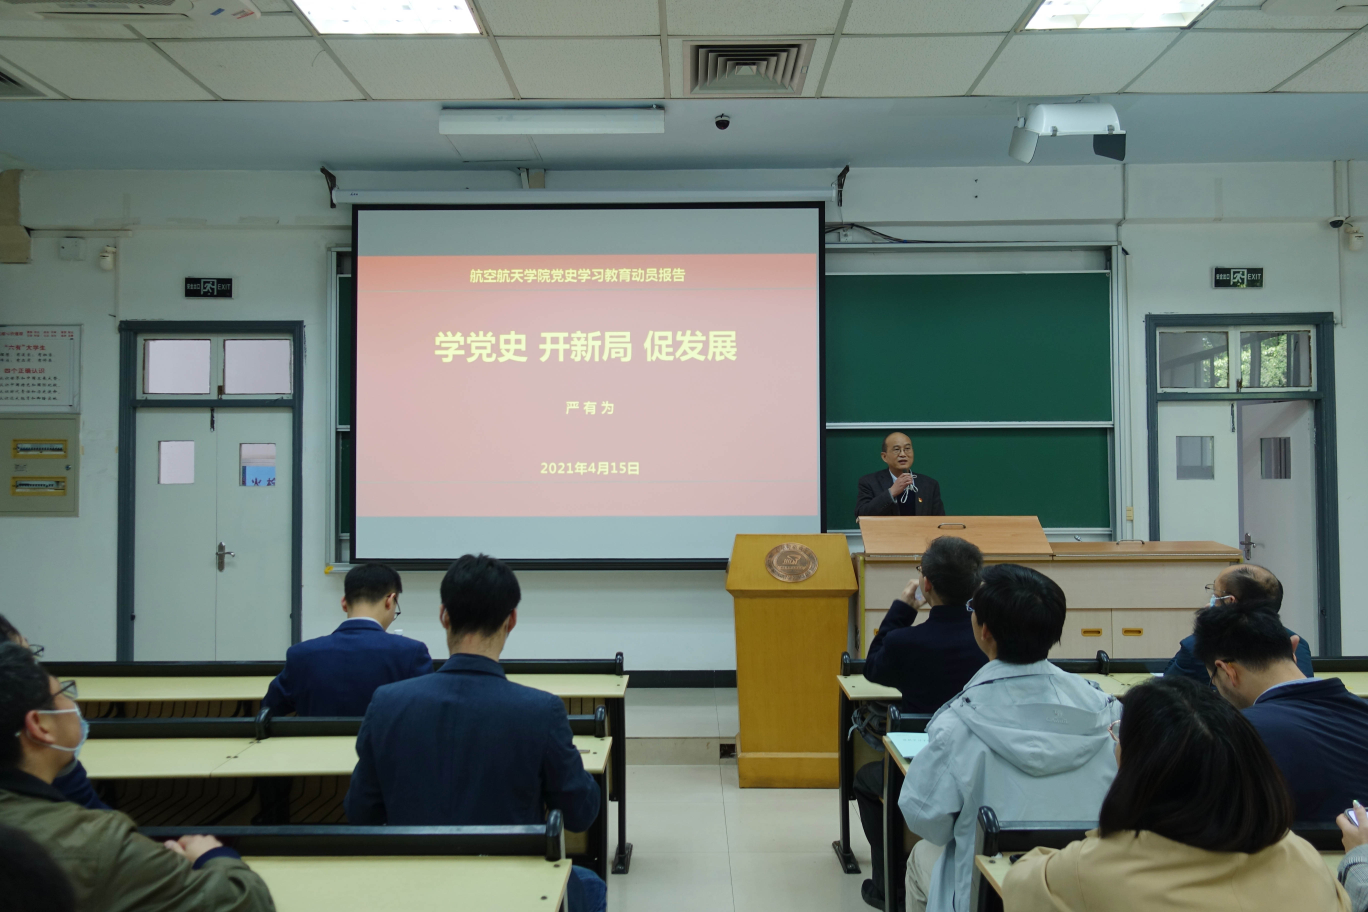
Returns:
(13, 88)
(129, 10)
(747, 68)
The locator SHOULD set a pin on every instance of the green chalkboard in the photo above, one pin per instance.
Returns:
(968, 347)
(1058, 474)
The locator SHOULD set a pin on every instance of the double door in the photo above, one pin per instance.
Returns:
(213, 533)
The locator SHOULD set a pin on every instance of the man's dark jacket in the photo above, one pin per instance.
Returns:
(336, 675)
(1185, 663)
(465, 746)
(928, 663)
(873, 498)
(1317, 732)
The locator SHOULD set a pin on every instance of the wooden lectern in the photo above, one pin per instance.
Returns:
(789, 640)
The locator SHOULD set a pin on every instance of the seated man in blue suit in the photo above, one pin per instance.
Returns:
(1316, 730)
(1249, 586)
(466, 746)
(336, 675)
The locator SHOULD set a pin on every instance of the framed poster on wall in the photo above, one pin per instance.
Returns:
(40, 368)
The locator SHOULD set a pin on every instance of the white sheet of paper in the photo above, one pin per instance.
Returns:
(909, 743)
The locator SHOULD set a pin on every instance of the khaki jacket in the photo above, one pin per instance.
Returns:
(1129, 873)
(114, 869)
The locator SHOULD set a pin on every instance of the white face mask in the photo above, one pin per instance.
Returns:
(85, 733)
(1218, 599)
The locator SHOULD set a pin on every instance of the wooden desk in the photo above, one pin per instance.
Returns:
(1355, 681)
(162, 690)
(427, 884)
(160, 758)
(576, 686)
(851, 689)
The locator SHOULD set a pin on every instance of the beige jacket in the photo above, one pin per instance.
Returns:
(1129, 873)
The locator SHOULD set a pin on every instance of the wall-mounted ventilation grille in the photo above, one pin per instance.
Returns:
(13, 88)
(751, 68)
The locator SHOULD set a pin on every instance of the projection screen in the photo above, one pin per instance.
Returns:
(568, 384)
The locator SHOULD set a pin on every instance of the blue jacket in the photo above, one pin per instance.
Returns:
(467, 747)
(929, 663)
(76, 786)
(1186, 664)
(1317, 733)
(336, 675)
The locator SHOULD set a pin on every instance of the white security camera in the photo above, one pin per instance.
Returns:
(722, 121)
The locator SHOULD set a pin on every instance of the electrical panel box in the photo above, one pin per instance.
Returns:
(42, 456)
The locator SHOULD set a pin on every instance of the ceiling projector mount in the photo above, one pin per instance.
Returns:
(1096, 120)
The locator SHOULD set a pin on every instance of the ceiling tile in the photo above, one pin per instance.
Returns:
(1211, 61)
(1256, 19)
(891, 17)
(32, 28)
(820, 46)
(755, 17)
(1073, 63)
(585, 67)
(281, 69)
(908, 67)
(423, 68)
(270, 25)
(106, 70)
(1344, 70)
(601, 17)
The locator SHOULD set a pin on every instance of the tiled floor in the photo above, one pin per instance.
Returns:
(703, 844)
(683, 712)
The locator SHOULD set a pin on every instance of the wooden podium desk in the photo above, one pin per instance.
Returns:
(1133, 600)
(244, 772)
(421, 884)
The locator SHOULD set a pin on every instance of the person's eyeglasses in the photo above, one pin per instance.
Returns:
(969, 606)
(1112, 730)
(900, 449)
(68, 690)
(35, 650)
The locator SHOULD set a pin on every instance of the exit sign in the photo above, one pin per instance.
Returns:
(1238, 276)
(208, 288)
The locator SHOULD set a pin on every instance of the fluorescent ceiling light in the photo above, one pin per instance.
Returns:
(390, 17)
(541, 121)
(1116, 14)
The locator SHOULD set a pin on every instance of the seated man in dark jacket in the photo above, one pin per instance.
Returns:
(928, 663)
(111, 866)
(1249, 586)
(467, 747)
(73, 783)
(1315, 729)
(335, 675)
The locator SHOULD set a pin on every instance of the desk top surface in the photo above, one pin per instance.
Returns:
(896, 755)
(363, 884)
(159, 758)
(253, 687)
(1355, 681)
(899, 537)
(858, 687)
(199, 758)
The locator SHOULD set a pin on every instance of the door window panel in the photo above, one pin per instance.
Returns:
(1275, 457)
(1195, 458)
(1194, 360)
(1280, 359)
(175, 462)
(257, 462)
(257, 366)
(176, 366)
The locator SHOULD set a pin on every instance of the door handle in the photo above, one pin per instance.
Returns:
(221, 553)
(1247, 545)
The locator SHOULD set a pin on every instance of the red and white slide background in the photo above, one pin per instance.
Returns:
(473, 439)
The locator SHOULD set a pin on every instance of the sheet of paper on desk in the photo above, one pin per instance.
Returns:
(908, 743)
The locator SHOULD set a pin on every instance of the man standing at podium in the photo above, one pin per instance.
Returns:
(895, 491)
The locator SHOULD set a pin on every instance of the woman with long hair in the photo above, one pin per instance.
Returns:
(1198, 817)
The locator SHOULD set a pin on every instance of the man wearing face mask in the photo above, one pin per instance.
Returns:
(111, 866)
(1247, 586)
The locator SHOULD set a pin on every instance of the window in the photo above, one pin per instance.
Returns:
(1275, 457)
(1195, 458)
(257, 465)
(257, 366)
(1280, 359)
(176, 366)
(1194, 359)
(175, 462)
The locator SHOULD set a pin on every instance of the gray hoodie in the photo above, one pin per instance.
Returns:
(1029, 741)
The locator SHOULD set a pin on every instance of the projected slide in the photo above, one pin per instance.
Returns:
(585, 384)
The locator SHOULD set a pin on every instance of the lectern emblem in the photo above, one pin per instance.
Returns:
(791, 562)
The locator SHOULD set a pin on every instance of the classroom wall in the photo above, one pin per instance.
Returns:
(271, 231)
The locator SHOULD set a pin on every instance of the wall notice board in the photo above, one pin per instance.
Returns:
(974, 348)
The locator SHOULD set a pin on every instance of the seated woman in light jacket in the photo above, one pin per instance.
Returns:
(1197, 818)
